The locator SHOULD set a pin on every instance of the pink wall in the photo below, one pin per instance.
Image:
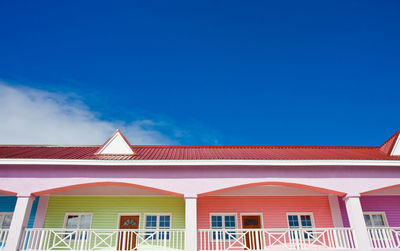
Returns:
(388, 204)
(193, 180)
(273, 208)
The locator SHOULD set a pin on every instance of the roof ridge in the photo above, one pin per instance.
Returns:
(387, 146)
(6, 145)
(207, 146)
(255, 146)
(391, 137)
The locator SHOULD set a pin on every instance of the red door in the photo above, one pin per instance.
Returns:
(127, 239)
(253, 237)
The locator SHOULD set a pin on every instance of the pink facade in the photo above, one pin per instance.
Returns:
(272, 208)
(270, 182)
(387, 204)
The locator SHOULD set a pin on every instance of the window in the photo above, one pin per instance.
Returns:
(223, 222)
(77, 221)
(158, 222)
(301, 220)
(5, 220)
(375, 219)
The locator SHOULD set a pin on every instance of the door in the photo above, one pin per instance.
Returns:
(253, 237)
(127, 239)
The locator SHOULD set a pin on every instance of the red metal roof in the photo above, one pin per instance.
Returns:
(205, 152)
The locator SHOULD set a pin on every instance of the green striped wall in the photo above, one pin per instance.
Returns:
(105, 209)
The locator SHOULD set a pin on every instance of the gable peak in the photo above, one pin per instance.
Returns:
(392, 145)
(117, 144)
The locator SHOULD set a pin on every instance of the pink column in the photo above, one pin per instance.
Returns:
(19, 221)
(191, 222)
(335, 211)
(357, 221)
(41, 211)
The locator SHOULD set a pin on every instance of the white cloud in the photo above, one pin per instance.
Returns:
(31, 116)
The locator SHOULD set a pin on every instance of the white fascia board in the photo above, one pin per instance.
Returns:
(200, 162)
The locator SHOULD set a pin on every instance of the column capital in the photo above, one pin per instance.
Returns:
(190, 196)
(351, 195)
(25, 195)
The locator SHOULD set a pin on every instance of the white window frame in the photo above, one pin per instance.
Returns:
(223, 219)
(383, 214)
(298, 214)
(308, 234)
(79, 220)
(223, 223)
(158, 220)
(158, 236)
(2, 216)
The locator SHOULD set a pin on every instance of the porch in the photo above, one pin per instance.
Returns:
(263, 217)
(42, 239)
(102, 239)
(109, 217)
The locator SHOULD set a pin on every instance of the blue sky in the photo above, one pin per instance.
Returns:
(203, 72)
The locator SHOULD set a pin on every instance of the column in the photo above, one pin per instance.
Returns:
(357, 222)
(41, 211)
(335, 211)
(191, 223)
(19, 221)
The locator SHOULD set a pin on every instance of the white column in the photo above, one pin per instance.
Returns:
(19, 221)
(335, 211)
(357, 222)
(41, 211)
(191, 223)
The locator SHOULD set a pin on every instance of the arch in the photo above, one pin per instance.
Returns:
(8, 192)
(277, 183)
(380, 189)
(99, 184)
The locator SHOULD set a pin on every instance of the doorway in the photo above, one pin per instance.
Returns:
(127, 239)
(253, 238)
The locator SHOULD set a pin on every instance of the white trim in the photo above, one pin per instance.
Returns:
(396, 148)
(158, 220)
(2, 216)
(200, 162)
(381, 213)
(117, 144)
(300, 214)
(79, 220)
(223, 220)
(252, 214)
(127, 214)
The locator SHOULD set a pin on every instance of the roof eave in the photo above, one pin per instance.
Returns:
(221, 162)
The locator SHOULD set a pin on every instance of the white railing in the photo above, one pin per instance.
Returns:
(3, 238)
(99, 239)
(384, 237)
(262, 239)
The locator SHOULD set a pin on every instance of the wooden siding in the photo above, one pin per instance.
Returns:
(273, 209)
(388, 204)
(7, 205)
(105, 209)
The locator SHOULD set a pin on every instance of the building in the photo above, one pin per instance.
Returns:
(129, 197)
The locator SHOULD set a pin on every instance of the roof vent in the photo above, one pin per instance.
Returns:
(117, 144)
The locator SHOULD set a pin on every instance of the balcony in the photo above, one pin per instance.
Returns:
(276, 239)
(102, 239)
(3, 238)
(384, 237)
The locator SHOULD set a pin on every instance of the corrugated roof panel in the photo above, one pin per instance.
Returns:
(203, 152)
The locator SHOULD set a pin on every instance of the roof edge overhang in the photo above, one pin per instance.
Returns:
(225, 162)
